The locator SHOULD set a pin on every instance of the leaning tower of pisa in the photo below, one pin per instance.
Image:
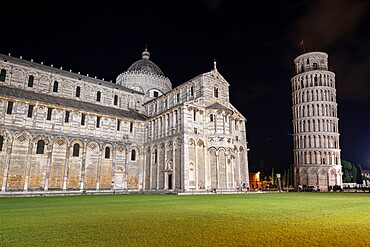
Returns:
(315, 123)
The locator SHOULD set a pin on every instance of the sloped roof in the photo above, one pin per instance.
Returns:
(218, 106)
(68, 103)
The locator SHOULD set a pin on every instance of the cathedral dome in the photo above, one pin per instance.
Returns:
(145, 66)
(146, 77)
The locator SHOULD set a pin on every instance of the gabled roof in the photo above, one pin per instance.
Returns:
(217, 106)
(60, 72)
(68, 103)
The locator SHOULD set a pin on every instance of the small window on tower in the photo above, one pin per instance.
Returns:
(215, 92)
(107, 152)
(30, 111)
(30, 81)
(78, 91)
(97, 122)
(131, 127)
(55, 87)
(10, 107)
(115, 101)
(98, 96)
(118, 124)
(192, 91)
(83, 116)
(50, 111)
(66, 118)
(133, 154)
(40, 147)
(2, 75)
(155, 94)
(1, 142)
(76, 150)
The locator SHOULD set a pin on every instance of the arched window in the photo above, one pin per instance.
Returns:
(78, 91)
(55, 87)
(115, 101)
(1, 142)
(30, 81)
(211, 117)
(107, 152)
(314, 65)
(10, 107)
(215, 92)
(40, 147)
(155, 156)
(76, 150)
(98, 96)
(133, 154)
(2, 75)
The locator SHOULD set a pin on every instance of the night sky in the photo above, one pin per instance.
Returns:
(253, 42)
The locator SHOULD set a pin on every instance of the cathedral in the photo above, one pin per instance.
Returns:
(64, 132)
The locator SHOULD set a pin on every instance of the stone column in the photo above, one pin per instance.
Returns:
(83, 164)
(233, 171)
(226, 172)
(207, 169)
(7, 164)
(217, 170)
(66, 167)
(28, 167)
(174, 166)
(165, 180)
(99, 168)
(150, 168)
(114, 151)
(328, 178)
(240, 167)
(126, 171)
(318, 181)
(48, 163)
(196, 166)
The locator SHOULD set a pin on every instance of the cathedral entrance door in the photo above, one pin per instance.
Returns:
(169, 181)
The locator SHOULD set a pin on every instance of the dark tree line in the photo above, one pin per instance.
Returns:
(352, 173)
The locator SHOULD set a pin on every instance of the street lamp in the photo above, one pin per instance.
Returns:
(278, 175)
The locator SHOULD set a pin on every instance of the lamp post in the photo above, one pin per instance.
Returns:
(279, 183)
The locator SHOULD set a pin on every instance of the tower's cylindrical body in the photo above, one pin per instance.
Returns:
(315, 124)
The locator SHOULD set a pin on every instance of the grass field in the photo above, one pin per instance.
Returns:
(277, 219)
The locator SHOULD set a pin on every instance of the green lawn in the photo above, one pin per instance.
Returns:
(277, 219)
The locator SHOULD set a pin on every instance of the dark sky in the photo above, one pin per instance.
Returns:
(254, 43)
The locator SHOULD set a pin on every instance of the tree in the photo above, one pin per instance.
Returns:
(347, 169)
(284, 179)
(359, 179)
(353, 174)
(291, 182)
(273, 181)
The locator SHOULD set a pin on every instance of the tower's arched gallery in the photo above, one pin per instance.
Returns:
(315, 123)
(63, 131)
